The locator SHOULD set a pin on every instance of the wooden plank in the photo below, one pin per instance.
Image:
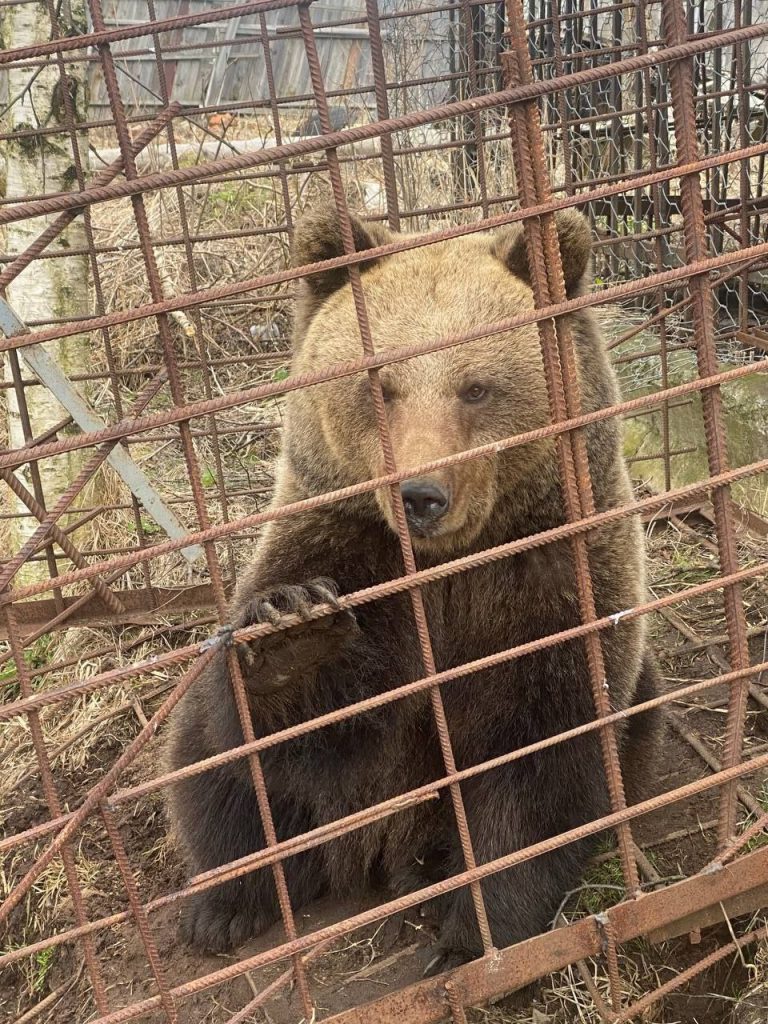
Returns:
(142, 606)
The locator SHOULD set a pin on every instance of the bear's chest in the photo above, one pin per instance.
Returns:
(507, 603)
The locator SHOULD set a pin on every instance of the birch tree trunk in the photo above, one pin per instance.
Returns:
(48, 289)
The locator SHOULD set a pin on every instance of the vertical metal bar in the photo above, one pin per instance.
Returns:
(562, 101)
(559, 362)
(382, 112)
(275, 109)
(695, 235)
(417, 602)
(475, 118)
(743, 17)
(610, 948)
(139, 913)
(54, 809)
(458, 1016)
(718, 193)
(34, 469)
(660, 243)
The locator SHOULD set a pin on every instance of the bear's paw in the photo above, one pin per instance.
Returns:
(211, 923)
(278, 659)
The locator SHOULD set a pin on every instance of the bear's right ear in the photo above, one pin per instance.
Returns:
(575, 238)
(318, 237)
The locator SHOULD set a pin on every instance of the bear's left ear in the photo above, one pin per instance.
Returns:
(318, 237)
(575, 239)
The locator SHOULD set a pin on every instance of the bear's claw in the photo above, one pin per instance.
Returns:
(273, 661)
(443, 960)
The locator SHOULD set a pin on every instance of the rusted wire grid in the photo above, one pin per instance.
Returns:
(138, 913)
(618, 292)
(301, 170)
(76, 818)
(659, 318)
(188, 114)
(289, 31)
(50, 533)
(53, 802)
(741, 61)
(644, 85)
(70, 122)
(52, 697)
(281, 31)
(97, 984)
(104, 36)
(102, 177)
(256, 519)
(720, 217)
(467, 204)
(257, 778)
(213, 429)
(713, 651)
(639, 1007)
(19, 456)
(126, 561)
(49, 518)
(214, 532)
(322, 834)
(756, 670)
(181, 654)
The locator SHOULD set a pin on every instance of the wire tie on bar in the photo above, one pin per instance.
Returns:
(223, 637)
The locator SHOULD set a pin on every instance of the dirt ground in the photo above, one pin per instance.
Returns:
(52, 985)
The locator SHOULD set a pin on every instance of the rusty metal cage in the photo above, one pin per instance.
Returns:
(145, 308)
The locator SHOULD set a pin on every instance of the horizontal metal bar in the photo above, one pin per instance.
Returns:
(66, 44)
(747, 902)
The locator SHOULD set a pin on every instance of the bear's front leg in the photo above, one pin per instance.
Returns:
(217, 817)
(279, 659)
(509, 809)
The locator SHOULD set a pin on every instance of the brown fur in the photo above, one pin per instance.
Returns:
(331, 441)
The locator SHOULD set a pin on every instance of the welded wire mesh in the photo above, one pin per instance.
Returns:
(157, 158)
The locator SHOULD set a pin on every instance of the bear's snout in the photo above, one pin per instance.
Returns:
(425, 502)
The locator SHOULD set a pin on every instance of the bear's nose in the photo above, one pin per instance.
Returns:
(425, 502)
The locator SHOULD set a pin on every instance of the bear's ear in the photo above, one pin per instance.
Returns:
(575, 238)
(318, 237)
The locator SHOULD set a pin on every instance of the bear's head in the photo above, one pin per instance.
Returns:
(448, 401)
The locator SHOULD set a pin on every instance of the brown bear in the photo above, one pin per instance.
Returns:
(437, 404)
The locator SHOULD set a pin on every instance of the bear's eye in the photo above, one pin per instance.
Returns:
(474, 393)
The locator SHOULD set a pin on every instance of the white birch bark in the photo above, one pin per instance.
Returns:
(50, 288)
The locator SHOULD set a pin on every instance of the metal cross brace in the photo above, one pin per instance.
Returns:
(47, 371)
